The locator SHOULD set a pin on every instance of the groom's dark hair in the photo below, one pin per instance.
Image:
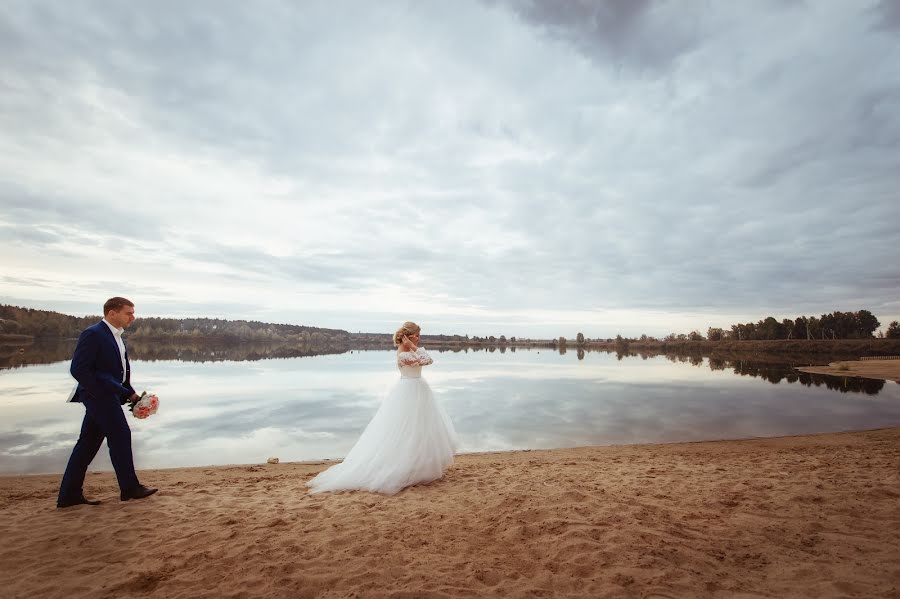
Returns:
(116, 304)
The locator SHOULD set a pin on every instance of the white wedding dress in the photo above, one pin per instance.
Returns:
(410, 439)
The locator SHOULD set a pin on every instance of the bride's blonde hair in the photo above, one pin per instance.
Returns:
(408, 328)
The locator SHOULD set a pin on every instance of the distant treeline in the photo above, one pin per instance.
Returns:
(837, 325)
(382, 340)
(809, 349)
(20, 324)
(46, 324)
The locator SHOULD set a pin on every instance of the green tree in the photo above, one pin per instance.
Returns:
(798, 331)
(786, 330)
(579, 339)
(815, 328)
(893, 330)
(8, 326)
(867, 324)
(769, 328)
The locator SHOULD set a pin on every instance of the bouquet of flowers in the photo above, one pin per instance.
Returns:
(144, 405)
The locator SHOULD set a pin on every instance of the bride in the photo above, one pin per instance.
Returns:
(410, 439)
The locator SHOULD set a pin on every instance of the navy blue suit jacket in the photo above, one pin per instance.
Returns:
(97, 366)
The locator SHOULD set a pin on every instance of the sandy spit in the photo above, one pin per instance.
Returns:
(811, 516)
(871, 369)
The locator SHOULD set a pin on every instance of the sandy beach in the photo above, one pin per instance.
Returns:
(870, 369)
(811, 516)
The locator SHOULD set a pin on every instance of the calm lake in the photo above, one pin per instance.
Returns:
(314, 407)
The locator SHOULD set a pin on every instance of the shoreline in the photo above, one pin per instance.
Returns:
(792, 516)
(327, 462)
(887, 370)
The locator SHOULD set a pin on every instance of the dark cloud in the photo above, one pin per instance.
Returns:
(642, 35)
(887, 14)
(877, 128)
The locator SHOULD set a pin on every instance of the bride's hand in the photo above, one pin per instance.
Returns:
(407, 344)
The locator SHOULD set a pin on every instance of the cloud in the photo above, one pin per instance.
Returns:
(888, 15)
(645, 35)
(351, 165)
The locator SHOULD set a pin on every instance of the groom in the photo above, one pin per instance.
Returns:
(100, 365)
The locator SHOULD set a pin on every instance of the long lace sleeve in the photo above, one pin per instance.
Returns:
(407, 358)
(424, 358)
(416, 358)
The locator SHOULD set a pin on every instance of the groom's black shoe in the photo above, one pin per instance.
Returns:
(139, 492)
(79, 501)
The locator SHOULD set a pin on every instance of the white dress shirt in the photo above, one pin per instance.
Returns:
(117, 333)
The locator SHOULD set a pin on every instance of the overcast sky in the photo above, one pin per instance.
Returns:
(532, 168)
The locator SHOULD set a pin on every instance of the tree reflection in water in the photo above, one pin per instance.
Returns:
(776, 373)
(49, 353)
(774, 368)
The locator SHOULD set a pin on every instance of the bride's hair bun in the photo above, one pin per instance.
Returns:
(408, 328)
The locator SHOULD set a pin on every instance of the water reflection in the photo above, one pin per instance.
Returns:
(215, 410)
(776, 373)
(771, 367)
(18, 356)
(140, 349)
